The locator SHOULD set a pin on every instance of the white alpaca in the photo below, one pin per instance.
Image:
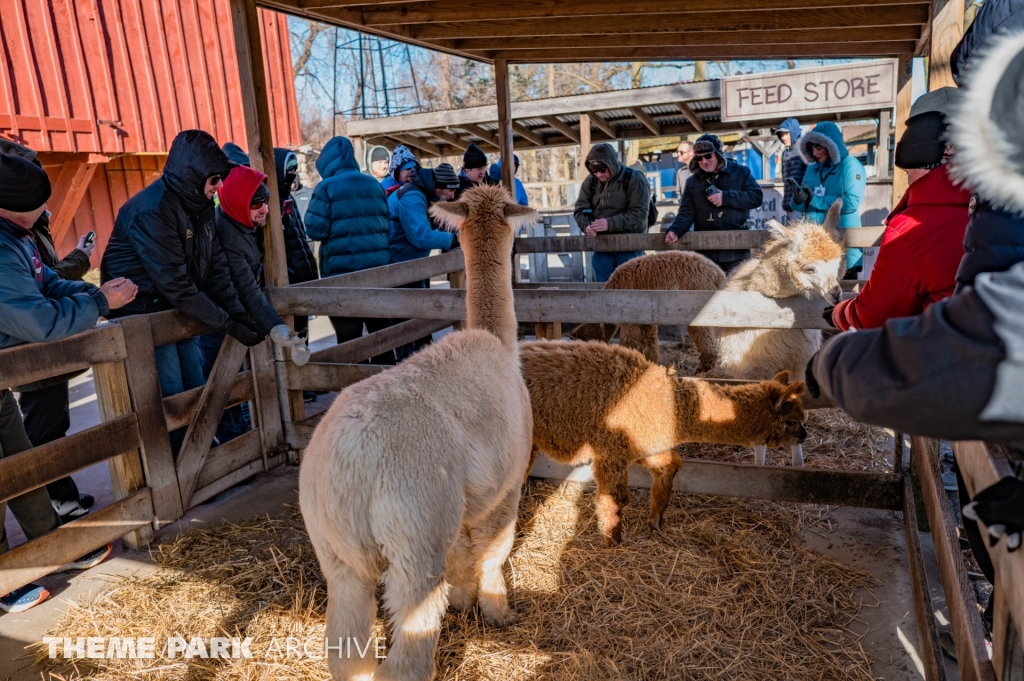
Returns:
(419, 469)
(804, 259)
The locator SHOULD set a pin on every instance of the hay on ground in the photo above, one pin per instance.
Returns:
(726, 592)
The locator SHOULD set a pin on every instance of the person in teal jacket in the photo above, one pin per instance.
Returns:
(831, 174)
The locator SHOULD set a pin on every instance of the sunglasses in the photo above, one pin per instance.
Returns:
(704, 157)
(597, 168)
(215, 179)
(259, 204)
(680, 152)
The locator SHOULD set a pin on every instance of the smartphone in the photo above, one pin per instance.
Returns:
(712, 189)
(792, 183)
(89, 238)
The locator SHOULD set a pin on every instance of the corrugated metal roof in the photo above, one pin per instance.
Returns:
(125, 76)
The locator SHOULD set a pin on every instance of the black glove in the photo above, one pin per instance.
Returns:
(813, 389)
(1001, 508)
(801, 195)
(826, 314)
(246, 333)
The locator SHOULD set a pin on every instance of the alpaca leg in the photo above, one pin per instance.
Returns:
(612, 495)
(493, 543)
(704, 340)
(417, 596)
(663, 468)
(459, 572)
(759, 454)
(798, 454)
(351, 612)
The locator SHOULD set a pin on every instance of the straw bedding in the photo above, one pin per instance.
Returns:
(726, 592)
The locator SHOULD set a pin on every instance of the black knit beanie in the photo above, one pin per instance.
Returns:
(706, 144)
(24, 186)
(922, 145)
(445, 177)
(474, 157)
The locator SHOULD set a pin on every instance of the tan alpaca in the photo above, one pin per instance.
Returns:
(419, 468)
(609, 405)
(665, 271)
(803, 259)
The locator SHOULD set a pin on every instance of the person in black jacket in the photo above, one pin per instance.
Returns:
(719, 195)
(165, 240)
(474, 171)
(297, 251)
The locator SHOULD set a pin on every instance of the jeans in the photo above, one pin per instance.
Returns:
(605, 263)
(180, 368)
(32, 510)
(48, 418)
(235, 420)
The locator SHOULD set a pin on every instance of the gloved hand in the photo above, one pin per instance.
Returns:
(826, 314)
(801, 195)
(1001, 508)
(813, 389)
(283, 336)
(246, 333)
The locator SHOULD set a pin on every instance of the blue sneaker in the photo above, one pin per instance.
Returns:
(20, 600)
(91, 559)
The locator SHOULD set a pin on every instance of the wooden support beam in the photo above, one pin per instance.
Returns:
(947, 27)
(581, 172)
(126, 473)
(504, 95)
(927, 635)
(753, 50)
(481, 132)
(602, 124)
(646, 119)
(32, 560)
(332, 377)
(904, 88)
(964, 616)
(32, 362)
(882, 148)
(563, 128)
(178, 409)
(527, 134)
(450, 139)
(267, 401)
(256, 111)
(396, 274)
(691, 116)
(68, 190)
(421, 143)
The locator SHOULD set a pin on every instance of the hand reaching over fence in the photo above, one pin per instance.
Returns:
(1001, 508)
(286, 338)
(119, 292)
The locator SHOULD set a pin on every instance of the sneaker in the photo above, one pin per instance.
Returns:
(86, 500)
(91, 559)
(20, 600)
(309, 396)
(68, 510)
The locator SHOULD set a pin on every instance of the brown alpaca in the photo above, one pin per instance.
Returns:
(608, 405)
(666, 271)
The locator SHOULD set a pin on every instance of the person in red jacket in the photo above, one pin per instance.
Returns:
(923, 241)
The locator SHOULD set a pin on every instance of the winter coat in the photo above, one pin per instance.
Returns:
(347, 214)
(494, 172)
(37, 306)
(465, 183)
(918, 258)
(297, 252)
(411, 234)
(994, 242)
(793, 166)
(994, 16)
(624, 200)
(72, 267)
(953, 372)
(165, 240)
(740, 195)
(841, 177)
(242, 243)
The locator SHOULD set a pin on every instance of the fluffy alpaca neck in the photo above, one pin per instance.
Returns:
(489, 300)
(712, 413)
(771, 278)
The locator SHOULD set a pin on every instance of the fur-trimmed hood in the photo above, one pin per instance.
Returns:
(988, 125)
(826, 134)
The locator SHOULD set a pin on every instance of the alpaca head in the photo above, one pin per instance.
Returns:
(785, 411)
(809, 257)
(486, 219)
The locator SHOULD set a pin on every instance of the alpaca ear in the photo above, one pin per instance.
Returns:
(832, 219)
(790, 237)
(782, 377)
(792, 392)
(450, 214)
(520, 216)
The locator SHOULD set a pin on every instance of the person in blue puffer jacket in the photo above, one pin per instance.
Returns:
(348, 215)
(495, 172)
(831, 174)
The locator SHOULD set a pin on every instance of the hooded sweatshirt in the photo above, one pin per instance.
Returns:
(298, 253)
(347, 213)
(793, 166)
(840, 177)
(243, 244)
(624, 200)
(411, 233)
(164, 240)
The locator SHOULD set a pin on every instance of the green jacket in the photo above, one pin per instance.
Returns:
(624, 200)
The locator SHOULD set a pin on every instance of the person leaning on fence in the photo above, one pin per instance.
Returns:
(719, 195)
(923, 242)
(955, 372)
(831, 174)
(37, 306)
(793, 166)
(44, 404)
(349, 217)
(474, 170)
(613, 199)
(165, 240)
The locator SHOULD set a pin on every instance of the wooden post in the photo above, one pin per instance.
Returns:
(126, 474)
(947, 29)
(508, 164)
(584, 145)
(904, 75)
(457, 279)
(359, 148)
(882, 152)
